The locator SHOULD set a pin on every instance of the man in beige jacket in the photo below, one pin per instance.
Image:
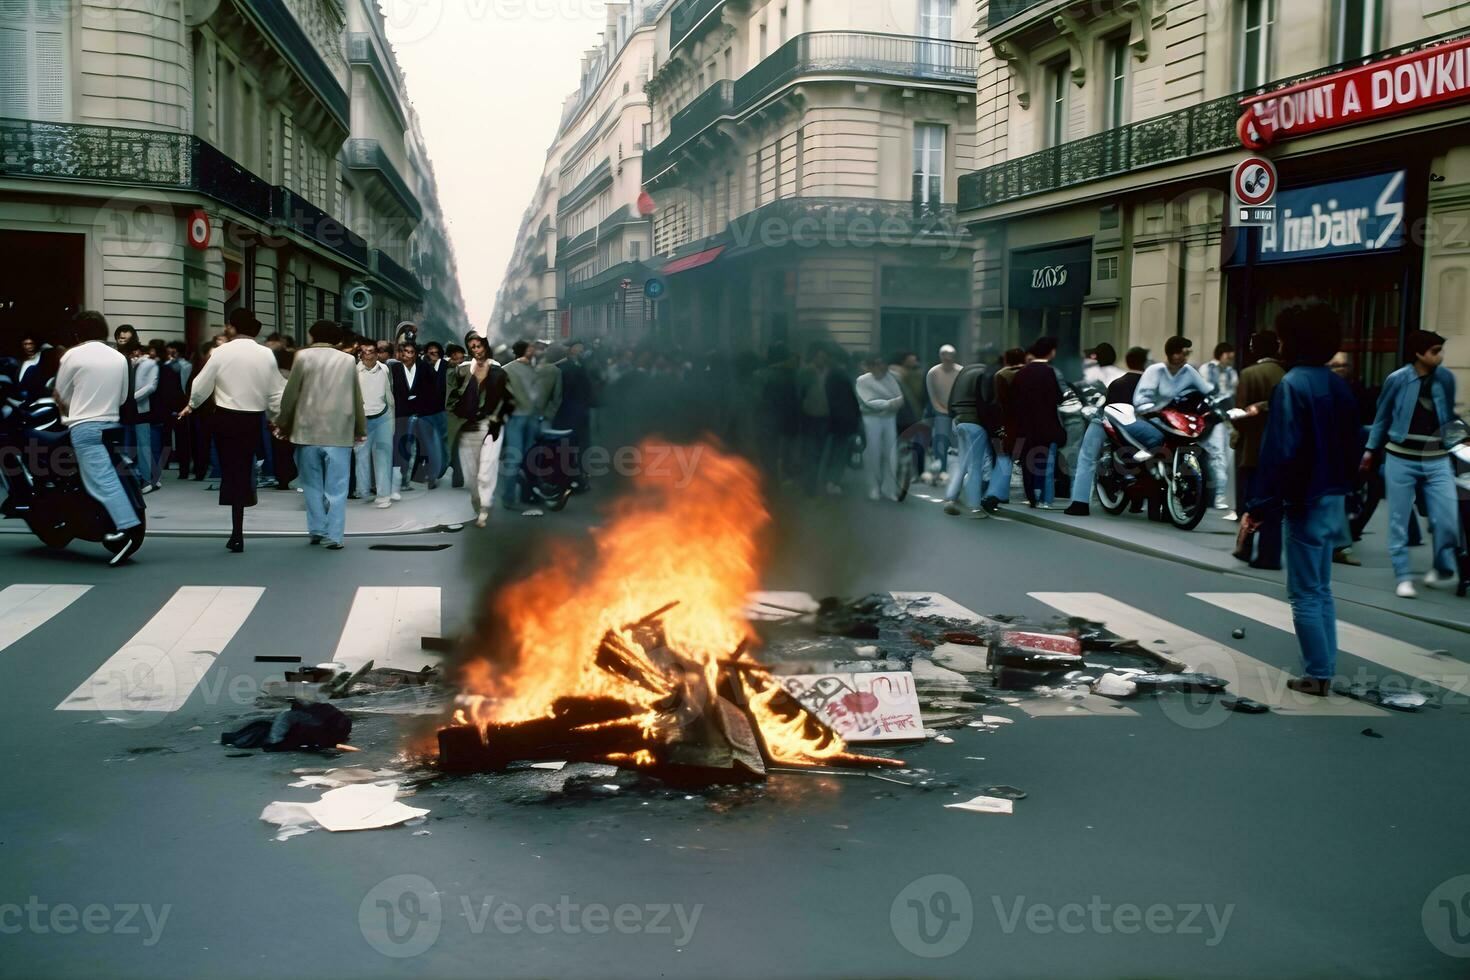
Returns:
(321, 413)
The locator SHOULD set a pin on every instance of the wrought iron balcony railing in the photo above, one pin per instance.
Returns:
(688, 15)
(845, 221)
(172, 161)
(1003, 10)
(1199, 130)
(278, 23)
(369, 155)
(897, 56)
(396, 275)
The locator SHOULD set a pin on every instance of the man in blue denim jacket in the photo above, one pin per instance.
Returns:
(1417, 402)
(1307, 459)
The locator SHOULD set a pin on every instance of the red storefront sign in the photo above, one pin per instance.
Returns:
(1408, 83)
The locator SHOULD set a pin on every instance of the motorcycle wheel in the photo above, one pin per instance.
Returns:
(1187, 497)
(1111, 492)
(51, 535)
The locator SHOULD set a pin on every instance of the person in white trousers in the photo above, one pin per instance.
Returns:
(879, 399)
(484, 405)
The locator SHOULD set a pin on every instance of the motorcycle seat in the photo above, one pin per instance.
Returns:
(48, 437)
(1121, 414)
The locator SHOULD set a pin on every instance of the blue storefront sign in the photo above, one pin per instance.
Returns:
(1362, 216)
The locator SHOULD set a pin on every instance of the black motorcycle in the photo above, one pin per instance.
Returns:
(44, 482)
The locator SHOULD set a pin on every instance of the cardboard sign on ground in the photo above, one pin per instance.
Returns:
(879, 706)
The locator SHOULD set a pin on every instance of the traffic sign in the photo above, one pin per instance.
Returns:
(199, 229)
(1253, 186)
(653, 288)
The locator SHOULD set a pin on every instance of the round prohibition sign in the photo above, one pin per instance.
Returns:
(1255, 181)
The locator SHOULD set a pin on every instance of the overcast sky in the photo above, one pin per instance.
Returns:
(488, 78)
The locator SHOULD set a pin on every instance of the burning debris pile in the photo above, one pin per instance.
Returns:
(578, 668)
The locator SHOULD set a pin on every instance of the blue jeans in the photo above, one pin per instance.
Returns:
(1437, 478)
(999, 483)
(1311, 529)
(974, 456)
(517, 439)
(375, 458)
(1086, 477)
(147, 444)
(322, 472)
(943, 435)
(94, 463)
(1145, 433)
(417, 429)
(1038, 473)
(439, 424)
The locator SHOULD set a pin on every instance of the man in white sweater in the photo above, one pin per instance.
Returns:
(91, 385)
(322, 414)
(879, 398)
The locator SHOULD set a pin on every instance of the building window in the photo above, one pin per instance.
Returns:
(1257, 22)
(35, 42)
(1116, 67)
(1355, 28)
(936, 18)
(635, 251)
(1107, 269)
(1056, 103)
(929, 164)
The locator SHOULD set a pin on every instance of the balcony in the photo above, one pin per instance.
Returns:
(687, 16)
(368, 154)
(305, 218)
(570, 246)
(1197, 131)
(585, 188)
(1003, 10)
(362, 51)
(396, 275)
(277, 22)
(899, 57)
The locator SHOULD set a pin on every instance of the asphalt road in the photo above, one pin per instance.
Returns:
(1150, 842)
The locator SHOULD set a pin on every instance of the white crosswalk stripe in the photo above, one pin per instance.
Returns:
(1386, 651)
(386, 624)
(1248, 676)
(161, 665)
(24, 607)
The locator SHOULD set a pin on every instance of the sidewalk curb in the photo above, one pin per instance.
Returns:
(224, 533)
(1077, 531)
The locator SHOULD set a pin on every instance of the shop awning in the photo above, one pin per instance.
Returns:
(693, 261)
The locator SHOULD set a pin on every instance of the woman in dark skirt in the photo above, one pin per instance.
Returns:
(246, 384)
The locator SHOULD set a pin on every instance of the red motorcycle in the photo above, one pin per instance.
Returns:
(1173, 479)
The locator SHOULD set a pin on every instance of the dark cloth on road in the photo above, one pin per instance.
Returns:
(302, 726)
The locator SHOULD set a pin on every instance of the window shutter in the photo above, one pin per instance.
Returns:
(50, 74)
(14, 88)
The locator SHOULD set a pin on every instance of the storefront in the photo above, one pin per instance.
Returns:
(1047, 289)
(1342, 243)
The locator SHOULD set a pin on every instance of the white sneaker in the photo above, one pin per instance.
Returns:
(1406, 590)
(1434, 580)
(874, 495)
(1221, 505)
(927, 478)
(382, 502)
(1232, 516)
(395, 495)
(1043, 506)
(483, 519)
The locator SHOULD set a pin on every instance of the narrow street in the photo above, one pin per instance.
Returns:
(1157, 836)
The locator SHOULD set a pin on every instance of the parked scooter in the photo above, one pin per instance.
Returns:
(43, 480)
(549, 481)
(1174, 479)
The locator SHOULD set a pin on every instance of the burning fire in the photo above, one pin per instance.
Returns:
(639, 643)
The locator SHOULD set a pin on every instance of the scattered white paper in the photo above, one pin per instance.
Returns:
(995, 720)
(365, 806)
(1114, 686)
(293, 819)
(944, 739)
(984, 804)
(553, 766)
